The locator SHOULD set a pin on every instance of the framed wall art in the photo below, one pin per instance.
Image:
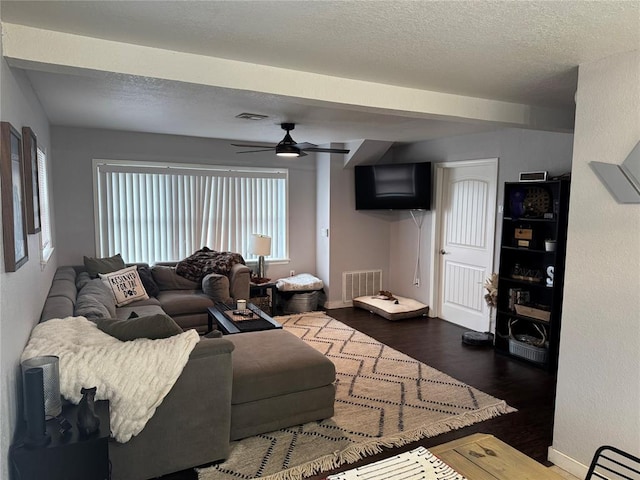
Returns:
(31, 189)
(14, 225)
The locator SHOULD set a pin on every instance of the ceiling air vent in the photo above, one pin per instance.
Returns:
(252, 116)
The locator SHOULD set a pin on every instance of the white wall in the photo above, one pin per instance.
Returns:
(598, 394)
(323, 220)
(22, 293)
(517, 150)
(359, 239)
(75, 148)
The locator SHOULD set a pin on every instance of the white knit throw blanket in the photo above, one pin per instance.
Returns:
(134, 376)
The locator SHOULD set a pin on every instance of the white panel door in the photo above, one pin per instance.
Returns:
(467, 229)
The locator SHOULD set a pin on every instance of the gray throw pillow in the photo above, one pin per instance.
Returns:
(82, 279)
(148, 282)
(153, 327)
(95, 301)
(216, 286)
(103, 265)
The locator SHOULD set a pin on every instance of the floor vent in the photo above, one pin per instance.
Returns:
(357, 284)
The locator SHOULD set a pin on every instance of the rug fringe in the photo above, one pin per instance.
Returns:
(356, 452)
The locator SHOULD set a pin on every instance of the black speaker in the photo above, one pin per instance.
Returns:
(34, 408)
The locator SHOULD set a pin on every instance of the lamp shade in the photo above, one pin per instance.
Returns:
(260, 244)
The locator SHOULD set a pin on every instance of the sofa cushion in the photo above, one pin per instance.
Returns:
(276, 362)
(65, 273)
(153, 327)
(133, 310)
(56, 307)
(103, 265)
(125, 285)
(217, 287)
(95, 301)
(167, 279)
(64, 288)
(183, 302)
(143, 302)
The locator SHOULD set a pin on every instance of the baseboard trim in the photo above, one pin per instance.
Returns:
(567, 463)
(337, 304)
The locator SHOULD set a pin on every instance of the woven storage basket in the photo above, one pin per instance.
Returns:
(527, 346)
(530, 352)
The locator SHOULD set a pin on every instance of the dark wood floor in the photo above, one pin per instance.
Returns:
(437, 343)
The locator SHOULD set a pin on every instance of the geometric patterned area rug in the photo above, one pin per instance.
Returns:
(384, 398)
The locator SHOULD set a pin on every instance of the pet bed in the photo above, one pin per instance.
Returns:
(389, 309)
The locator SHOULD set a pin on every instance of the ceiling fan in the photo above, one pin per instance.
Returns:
(288, 147)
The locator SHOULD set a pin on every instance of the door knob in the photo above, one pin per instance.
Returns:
(443, 252)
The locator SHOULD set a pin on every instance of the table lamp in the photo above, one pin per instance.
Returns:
(260, 245)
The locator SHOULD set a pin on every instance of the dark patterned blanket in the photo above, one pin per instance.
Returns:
(206, 261)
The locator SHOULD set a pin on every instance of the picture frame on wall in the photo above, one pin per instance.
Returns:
(31, 189)
(14, 225)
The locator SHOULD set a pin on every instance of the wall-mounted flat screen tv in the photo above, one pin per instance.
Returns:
(393, 186)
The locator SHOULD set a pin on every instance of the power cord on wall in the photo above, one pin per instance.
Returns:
(418, 222)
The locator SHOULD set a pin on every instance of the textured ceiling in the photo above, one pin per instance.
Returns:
(514, 51)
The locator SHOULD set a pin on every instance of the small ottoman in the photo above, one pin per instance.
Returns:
(278, 381)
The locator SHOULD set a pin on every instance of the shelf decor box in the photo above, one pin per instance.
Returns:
(532, 312)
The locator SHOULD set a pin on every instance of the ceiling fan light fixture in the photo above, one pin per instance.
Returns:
(284, 150)
(288, 147)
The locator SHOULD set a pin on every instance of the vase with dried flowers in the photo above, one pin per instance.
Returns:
(491, 297)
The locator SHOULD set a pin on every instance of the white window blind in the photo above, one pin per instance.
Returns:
(161, 212)
(46, 241)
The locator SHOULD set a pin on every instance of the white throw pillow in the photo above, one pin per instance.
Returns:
(125, 285)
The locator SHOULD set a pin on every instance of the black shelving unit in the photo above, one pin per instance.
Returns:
(531, 274)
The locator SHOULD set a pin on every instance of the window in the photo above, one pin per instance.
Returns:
(151, 212)
(46, 242)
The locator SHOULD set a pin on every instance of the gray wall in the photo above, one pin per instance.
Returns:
(517, 150)
(75, 148)
(359, 240)
(598, 395)
(22, 293)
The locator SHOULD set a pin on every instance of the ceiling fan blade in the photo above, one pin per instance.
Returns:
(255, 145)
(304, 145)
(254, 151)
(326, 150)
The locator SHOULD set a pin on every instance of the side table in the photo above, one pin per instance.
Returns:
(65, 457)
(262, 289)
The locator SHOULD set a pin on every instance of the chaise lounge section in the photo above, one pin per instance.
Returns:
(231, 387)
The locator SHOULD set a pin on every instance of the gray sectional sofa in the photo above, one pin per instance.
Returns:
(232, 387)
(182, 299)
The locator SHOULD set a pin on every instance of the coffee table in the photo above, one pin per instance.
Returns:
(483, 457)
(477, 457)
(221, 314)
